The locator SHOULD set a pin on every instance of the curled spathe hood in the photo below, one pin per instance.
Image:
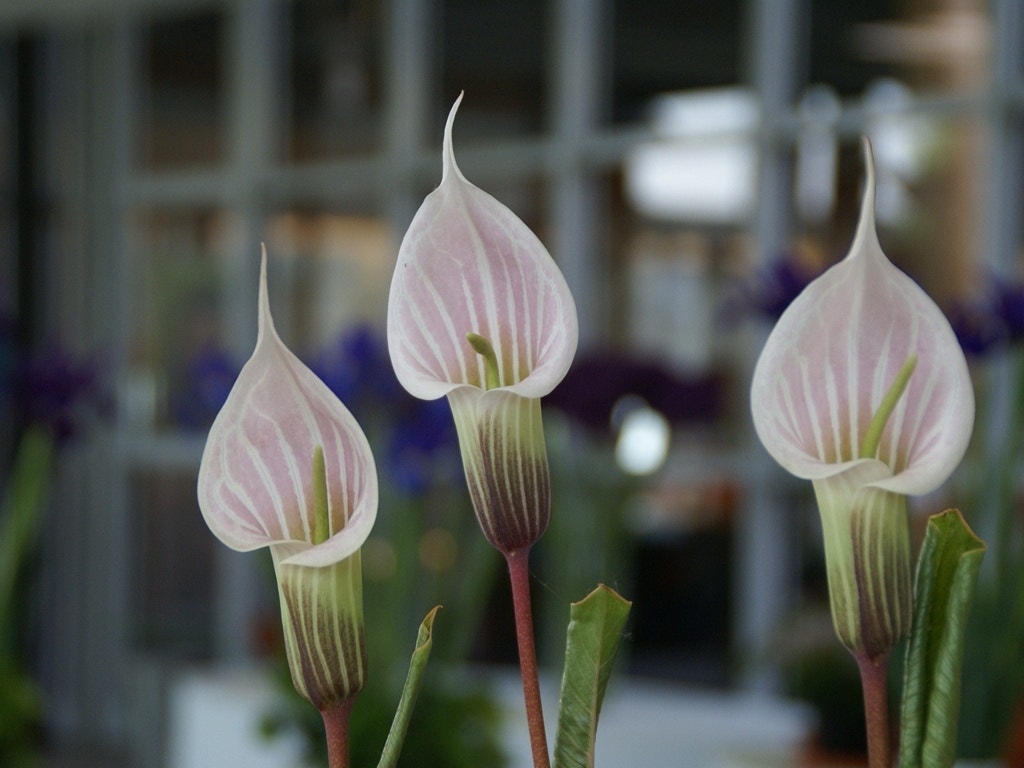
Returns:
(467, 264)
(256, 476)
(834, 354)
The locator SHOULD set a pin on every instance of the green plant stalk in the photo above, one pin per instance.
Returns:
(21, 517)
(417, 666)
(586, 543)
(1007, 609)
(519, 577)
(398, 596)
(995, 663)
(1009, 461)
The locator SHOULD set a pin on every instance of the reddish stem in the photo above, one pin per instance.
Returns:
(336, 719)
(874, 678)
(519, 576)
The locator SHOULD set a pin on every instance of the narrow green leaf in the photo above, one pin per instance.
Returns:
(417, 666)
(595, 627)
(21, 514)
(946, 572)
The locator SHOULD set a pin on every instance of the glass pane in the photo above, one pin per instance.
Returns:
(183, 93)
(173, 562)
(927, 202)
(669, 46)
(941, 46)
(526, 198)
(331, 273)
(331, 269)
(627, 426)
(687, 201)
(335, 78)
(694, 196)
(495, 53)
(681, 629)
(178, 364)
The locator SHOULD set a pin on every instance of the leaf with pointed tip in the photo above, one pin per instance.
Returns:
(23, 502)
(595, 628)
(946, 573)
(417, 666)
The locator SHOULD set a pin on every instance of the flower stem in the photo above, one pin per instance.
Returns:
(519, 576)
(874, 678)
(336, 718)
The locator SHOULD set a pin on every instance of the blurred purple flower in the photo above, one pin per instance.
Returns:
(772, 287)
(208, 378)
(977, 326)
(1009, 298)
(417, 437)
(57, 390)
(422, 445)
(598, 381)
(356, 367)
(51, 387)
(990, 322)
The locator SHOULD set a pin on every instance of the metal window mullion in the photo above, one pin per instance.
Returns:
(407, 106)
(65, 558)
(111, 51)
(1002, 199)
(87, 567)
(251, 48)
(1002, 195)
(765, 542)
(578, 34)
(776, 40)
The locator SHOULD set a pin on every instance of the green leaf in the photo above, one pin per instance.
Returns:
(21, 514)
(417, 666)
(946, 572)
(595, 627)
(21, 710)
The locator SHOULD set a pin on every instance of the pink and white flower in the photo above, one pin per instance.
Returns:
(287, 467)
(863, 389)
(478, 311)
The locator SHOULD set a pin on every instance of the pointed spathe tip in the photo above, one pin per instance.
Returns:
(264, 320)
(869, 173)
(448, 152)
(866, 231)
